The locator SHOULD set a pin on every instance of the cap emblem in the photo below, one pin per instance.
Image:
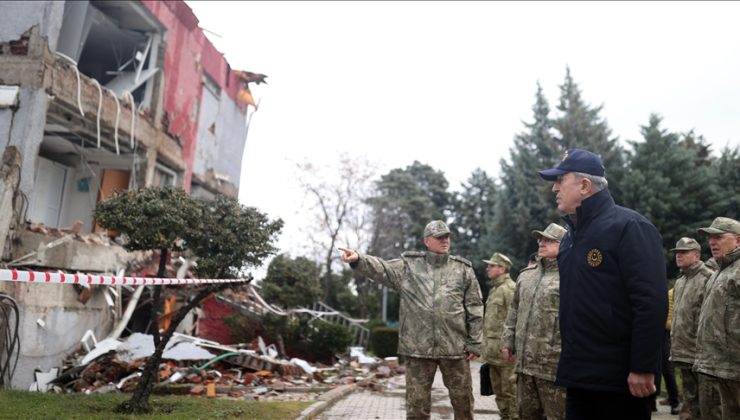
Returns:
(594, 258)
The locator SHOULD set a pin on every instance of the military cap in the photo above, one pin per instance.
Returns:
(687, 244)
(575, 160)
(436, 228)
(553, 231)
(722, 225)
(499, 259)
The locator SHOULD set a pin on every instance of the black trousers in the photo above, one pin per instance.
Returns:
(581, 404)
(668, 373)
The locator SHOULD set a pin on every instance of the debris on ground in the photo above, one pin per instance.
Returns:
(197, 367)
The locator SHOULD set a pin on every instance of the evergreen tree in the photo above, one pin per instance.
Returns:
(525, 202)
(727, 172)
(670, 183)
(581, 126)
(472, 214)
(405, 201)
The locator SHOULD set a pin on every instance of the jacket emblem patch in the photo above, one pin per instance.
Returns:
(594, 258)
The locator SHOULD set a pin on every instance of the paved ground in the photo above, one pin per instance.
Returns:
(389, 403)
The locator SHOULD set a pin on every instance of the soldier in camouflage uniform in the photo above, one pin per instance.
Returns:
(532, 334)
(441, 318)
(718, 334)
(503, 378)
(688, 294)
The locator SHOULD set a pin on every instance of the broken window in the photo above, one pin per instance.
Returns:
(116, 43)
(164, 176)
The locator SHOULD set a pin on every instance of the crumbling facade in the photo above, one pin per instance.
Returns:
(98, 97)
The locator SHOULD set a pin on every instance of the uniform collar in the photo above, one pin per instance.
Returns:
(436, 260)
(728, 259)
(590, 208)
(498, 281)
(693, 269)
(549, 264)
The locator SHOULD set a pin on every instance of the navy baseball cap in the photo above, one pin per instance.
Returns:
(575, 160)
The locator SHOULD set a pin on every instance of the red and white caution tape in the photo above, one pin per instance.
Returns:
(90, 279)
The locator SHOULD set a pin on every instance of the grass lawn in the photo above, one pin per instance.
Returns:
(34, 405)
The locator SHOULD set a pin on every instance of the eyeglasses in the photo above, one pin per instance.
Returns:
(720, 235)
(543, 240)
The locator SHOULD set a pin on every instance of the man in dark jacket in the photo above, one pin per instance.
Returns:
(613, 296)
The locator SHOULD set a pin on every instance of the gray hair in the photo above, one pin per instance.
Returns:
(598, 182)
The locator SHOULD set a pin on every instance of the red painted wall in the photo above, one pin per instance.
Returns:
(187, 56)
(211, 325)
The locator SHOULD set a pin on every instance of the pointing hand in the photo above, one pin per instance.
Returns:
(348, 255)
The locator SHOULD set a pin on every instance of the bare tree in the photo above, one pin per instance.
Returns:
(335, 196)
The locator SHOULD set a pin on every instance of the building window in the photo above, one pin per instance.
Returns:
(164, 176)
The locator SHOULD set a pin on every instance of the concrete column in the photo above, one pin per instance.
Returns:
(10, 172)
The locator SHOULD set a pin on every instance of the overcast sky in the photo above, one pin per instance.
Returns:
(449, 83)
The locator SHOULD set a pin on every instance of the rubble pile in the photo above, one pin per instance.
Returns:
(192, 366)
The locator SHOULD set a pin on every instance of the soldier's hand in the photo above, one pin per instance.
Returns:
(348, 255)
(507, 355)
(471, 355)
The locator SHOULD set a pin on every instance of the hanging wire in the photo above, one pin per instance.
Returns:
(77, 72)
(9, 318)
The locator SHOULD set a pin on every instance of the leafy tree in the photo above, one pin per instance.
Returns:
(167, 219)
(229, 236)
(525, 202)
(670, 182)
(343, 298)
(291, 282)
(582, 126)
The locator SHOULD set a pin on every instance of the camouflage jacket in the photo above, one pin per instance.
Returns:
(688, 294)
(531, 330)
(441, 315)
(718, 334)
(499, 299)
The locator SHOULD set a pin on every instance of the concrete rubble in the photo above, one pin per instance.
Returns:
(204, 368)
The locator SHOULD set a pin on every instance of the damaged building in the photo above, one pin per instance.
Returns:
(98, 97)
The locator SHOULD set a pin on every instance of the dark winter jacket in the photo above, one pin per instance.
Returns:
(613, 296)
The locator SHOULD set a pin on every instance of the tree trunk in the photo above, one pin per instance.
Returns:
(139, 402)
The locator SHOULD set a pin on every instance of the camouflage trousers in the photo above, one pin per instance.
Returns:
(690, 389)
(456, 377)
(729, 392)
(503, 380)
(537, 397)
(710, 402)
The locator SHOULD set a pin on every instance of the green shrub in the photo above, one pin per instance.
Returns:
(317, 340)
(384, 341)
(328, 339)
(241, 328)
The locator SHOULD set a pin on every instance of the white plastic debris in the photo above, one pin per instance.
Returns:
(303, 364)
